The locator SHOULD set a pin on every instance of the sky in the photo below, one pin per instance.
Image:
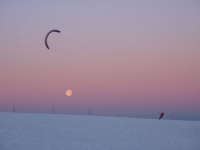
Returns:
(133, 58)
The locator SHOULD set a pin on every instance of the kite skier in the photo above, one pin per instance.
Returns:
(161, 115)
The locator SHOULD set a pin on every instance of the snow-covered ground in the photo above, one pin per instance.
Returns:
(20, 131)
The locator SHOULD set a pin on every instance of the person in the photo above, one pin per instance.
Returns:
(161, 115)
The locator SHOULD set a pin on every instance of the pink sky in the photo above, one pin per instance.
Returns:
(116, 57)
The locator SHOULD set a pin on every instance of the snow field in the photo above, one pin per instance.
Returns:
(19, 131)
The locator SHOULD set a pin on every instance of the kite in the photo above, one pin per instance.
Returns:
(48, 36)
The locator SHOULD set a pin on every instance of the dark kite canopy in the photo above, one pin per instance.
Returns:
(48, 36)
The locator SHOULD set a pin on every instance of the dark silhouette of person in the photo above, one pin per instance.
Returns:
(161, 115)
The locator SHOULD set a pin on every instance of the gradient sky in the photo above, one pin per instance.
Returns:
(133, 58)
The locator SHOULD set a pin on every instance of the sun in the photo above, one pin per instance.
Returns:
(69, 92)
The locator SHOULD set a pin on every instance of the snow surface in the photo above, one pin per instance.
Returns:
(20, 131)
